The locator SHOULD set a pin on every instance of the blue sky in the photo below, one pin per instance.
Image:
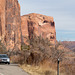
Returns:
(63, 12)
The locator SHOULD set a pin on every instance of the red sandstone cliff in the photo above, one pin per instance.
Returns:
(10, 24)
(39, 25)
(32, 24)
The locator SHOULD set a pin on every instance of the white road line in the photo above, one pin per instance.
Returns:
(1, 74)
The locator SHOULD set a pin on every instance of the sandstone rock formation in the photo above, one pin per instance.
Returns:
(32, 24)
(10, 24)
(39, 25)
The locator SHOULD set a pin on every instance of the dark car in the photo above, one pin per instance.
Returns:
(4, 59)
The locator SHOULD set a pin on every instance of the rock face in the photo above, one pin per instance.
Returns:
(38, 25)
(10, 24)
(2, 18)
(32, 24)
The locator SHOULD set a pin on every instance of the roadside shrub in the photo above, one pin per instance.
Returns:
(40, 49)
(49, 72)
(69, 69)
(2, 48)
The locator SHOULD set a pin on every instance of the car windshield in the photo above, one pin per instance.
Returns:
(3, 56)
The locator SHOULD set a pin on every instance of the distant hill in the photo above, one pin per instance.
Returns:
(69, 44)
(70, 52)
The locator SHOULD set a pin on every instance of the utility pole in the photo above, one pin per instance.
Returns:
(58, 60)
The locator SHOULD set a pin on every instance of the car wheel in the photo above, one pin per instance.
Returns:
(8, 63)
(5, 63)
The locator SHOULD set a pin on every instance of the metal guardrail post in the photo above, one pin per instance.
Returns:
(58, 60)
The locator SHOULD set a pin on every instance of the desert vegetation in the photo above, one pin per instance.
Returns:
(40, 58)
(41, 54)
(40, 50)
(2, 48)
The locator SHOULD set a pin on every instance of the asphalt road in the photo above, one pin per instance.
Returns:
(12, 69)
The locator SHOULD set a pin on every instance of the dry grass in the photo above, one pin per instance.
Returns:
(36, 70)
(45, 69)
